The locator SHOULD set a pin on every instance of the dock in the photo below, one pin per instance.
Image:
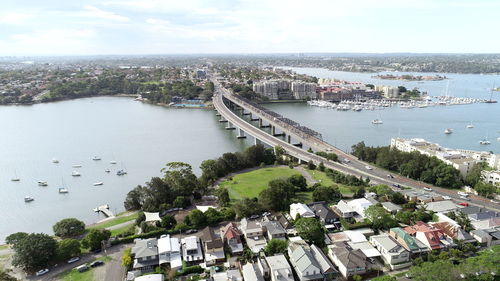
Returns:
(105, 210)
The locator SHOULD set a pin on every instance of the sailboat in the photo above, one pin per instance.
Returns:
(485, 141)
(448, 131)
(75, 174)
(63, 190)
(96, 158)
(491, 96)
(42, 183)
(15, 178)
(377, 121)
(470, 126)
(28, 199)
(55, 161)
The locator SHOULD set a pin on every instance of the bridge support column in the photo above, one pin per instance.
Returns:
(217, 114)
(253, 119)
(241, 134)
(222, 119)
(273, 132)
(230, 126)
(257, 141)
(289, 139)
(247, 113)
(261, 124)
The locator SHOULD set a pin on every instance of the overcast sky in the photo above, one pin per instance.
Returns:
(73, 27)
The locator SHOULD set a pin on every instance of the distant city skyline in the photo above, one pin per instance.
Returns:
(106, 27)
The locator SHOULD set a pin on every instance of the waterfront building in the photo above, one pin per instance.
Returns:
(169, 251)
(390, 92)
(303, 90)
(145, 253)
(285, 89)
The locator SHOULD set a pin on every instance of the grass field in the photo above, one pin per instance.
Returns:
(115, 221)
(120, 230)
(74, 275)
(249, 185)
(322, 178)
(3, 247)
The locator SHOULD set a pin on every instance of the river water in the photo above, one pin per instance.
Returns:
(140, 137)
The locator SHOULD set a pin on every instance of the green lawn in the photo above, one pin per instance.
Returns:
(322, 178)
(120, 230)
(3, 247)
(115, 221)
(249, 185)
(304, 197)
(74, 275)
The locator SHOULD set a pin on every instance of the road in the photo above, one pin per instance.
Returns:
(354, 167)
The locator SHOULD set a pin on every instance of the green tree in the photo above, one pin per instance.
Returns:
(278, 196)
(93, 240)
(168, 221)
(298, 181)
(380, 218)
(247, 207)
(180, 178)
(34, 251)
(356, 277)
(69, 227)
(311, 230)
(223, 196)
(213, 216)
(197, 219)
(276, 246)
(310, 165)
(68, 248)
(14, 238)
(326, 193)
(127, 258)
(485, 189)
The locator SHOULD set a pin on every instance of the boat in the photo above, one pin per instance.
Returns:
(98, 183)
(377, 121)
(112, 162)
(63, 190)
(121, 172)
(96, 158)
(484, 142)
(28, 199)
(42, 183)
(448, 131)
(490, 100)
(107, 171)
(76, 166)
(498, 139)
(15, 178)
(55, 161)
(470, 126)
(75, 174)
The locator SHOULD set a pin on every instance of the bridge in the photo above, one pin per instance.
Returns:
(284, 132)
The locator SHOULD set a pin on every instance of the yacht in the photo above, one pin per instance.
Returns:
(107, 170)
(63, 190)
(75, 174)
(15, 178)
(42, 183)
(470, 126)
(448, 131)
(28, 199)
(377, 121)
(76, 166)
(55, 161)
(112, 162)
(96, 158)
(121, 172)
(484, 142)
(98, 183)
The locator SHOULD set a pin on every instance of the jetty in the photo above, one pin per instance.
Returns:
(105, 210)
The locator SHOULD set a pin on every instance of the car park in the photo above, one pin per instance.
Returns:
(72, 260)
(42, 272)
(96, 263)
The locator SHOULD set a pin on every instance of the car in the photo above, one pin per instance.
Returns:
(265, 214)
(82, 268)
(42, 272)
(96, 263)
(396, 185)
(465, 204)
(191, 231)
(464, 194)
(494, 201)
(254, 217)
(346, 161)
(368, 168)
(390, 176)
(446, 197)
(427, 188)
(465, 198)
(72, 260)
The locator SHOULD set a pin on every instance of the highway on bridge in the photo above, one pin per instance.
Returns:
(354, 167)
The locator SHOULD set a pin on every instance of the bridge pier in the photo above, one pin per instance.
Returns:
(289, 139)
(230, 126)
(298, 144)
(257, 141)
(261, 124)
(247, 113)
(253, 119)
(222, 119)
(241, 134)
(273, 132)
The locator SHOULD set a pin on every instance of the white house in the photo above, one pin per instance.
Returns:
(279, 268)
(169, 251)
(301, 209)
(191, 249)
(393, 254)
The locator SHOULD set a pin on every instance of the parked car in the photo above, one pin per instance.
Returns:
(72, 260)
(427, 188)
(390, 176)
(265, 214)
(446, 197)
(254, 217)
(346, 161)
(465, 198)
(42, 272)
(465, 204)
(396, 185)
(96, 263)
(494, 201)
(82, 268)
(191, 231)
(461, 193)
(368, 168)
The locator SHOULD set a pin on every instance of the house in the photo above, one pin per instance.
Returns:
(393, 254)
(251, 272)
(213, 247)
(304, 263)
(391, 207)
(407, 241)
(431, 237)
(364, 246)
(191, 250)
(323, 213)
(357, 205)
(301, 209)
(169, 252)
(343, 210)
(145, 252)
(442, 206)
(150, 277)
(279, 268)
(486, 224)
(454, 231)
(252, 230)
(264, 267)
(421, 197)
(285, 223)
(326, 266)
(487, 237)
(349, 262)
(229, 275)
(232, 237)
(273, 230)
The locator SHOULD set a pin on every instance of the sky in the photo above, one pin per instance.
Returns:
(105, 27)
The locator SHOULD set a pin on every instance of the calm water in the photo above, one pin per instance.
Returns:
(142, 138)
(347, 128)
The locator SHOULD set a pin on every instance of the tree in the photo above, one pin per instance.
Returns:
(69, 227)
(68, 248)
(4, 276)
(278, 196)
(213, 216)
(127, 258)
(485, 189)
(168, 221)
(180, 178)
(380, 218)
(276, 246)
(311, 230)
(247, 207)
(135, 198)
(93, 240)
(326, 193)
(310, 165)
(474, 175)
(223, 196)
(298, 181)
(398, 198)
(14, 238)
(197, 219)
(34, 251)
(321, 167)
(356, 277)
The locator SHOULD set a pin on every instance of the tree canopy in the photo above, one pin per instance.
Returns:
(34, 251)
(69, 227)
(311, 230)
(94, 238)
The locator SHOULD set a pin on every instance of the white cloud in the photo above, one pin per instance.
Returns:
(14, 17)
(94, 12)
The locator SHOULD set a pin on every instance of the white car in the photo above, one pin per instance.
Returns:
(427, 188)
(494, 201)
(446, 197)
(368, 168)
(463, 194)
(465, 198)
(72, 260)
(42, 272)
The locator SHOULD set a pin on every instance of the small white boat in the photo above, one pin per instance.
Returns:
(448, 131)
(75, 174)
(76, 166)
(42, 183)
(470, 126)
(55, 161)
(96, 158)
(107, 170)
(377, 121)
(112, 162)
(63, 190)
(498, 139)
(15, 179)
(484, 142)
(28, 199)
(98, 183)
